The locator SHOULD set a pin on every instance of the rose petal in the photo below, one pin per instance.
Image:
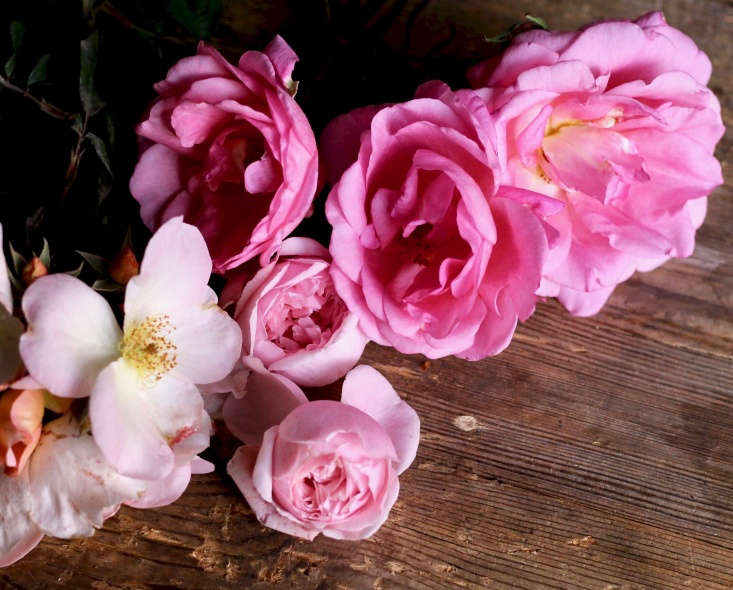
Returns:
(174, 273)
(73, 488)
(135, 422)
(269, 399)
(72, 335)
(366, 389)
(240, 468)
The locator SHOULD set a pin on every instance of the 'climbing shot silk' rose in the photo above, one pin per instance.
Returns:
(616, 121)
(430, 251)
(231, 151)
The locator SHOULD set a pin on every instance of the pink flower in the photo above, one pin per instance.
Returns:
(324, 466)
(233, 152)
(616, 121)
(293, 322)
(147, 415)
(429, 251)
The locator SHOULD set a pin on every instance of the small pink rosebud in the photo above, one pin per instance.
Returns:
(124, 266)
(33, 269)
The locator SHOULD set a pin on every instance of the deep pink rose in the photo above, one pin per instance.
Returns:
(293, 322)
(233, 152)
(616, 121)
(324, 467)
(429, 251)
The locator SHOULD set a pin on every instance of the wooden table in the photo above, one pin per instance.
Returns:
(594, 453)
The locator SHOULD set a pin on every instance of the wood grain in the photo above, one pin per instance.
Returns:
(594, 453)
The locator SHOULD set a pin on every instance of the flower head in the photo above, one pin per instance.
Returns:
(142, 378)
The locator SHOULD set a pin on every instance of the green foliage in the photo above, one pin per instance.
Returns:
(101, 149)
(39, 73)
(90, 99)
(97, 263)
(17, 33)
(45, 255)
(198, 17)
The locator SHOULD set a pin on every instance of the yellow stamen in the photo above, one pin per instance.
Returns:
(148, 346)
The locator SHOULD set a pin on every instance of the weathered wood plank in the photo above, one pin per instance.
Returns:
(594, 453)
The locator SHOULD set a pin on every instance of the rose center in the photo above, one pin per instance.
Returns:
(149, 347)
(230, 154)
(305, 316)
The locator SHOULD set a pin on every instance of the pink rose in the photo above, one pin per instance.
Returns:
(324, 466)
(429, 251)
(293, 322)
(616, 121)
(232, 152)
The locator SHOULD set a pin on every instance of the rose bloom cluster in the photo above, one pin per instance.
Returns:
(576, 159)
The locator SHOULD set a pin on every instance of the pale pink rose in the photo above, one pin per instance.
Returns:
(616, 121)
(146, 413)
(66, 490)
(429, 251)
(293, 322)
(325, 467)
(233, 152)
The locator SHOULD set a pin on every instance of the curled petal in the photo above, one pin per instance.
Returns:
(240, 468)
(268, 400)
(366, 388)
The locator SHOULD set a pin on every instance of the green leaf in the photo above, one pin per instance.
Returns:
(17, 285)
(98, 263)
(199, 17)
(90, 99)
(103, 189)
(111, 133)
(19, 261)
(40, 70)
(106, 286)
(17, 32)
(77, 271)
(101, 150)
(45, 254)
(10, 66)
(540, 22)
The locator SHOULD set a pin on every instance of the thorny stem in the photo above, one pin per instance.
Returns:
(47, 108)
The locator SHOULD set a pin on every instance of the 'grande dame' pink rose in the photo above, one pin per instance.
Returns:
(233, 152)
(293, 322)
(324, 467)
(429, 251)
(616, 121)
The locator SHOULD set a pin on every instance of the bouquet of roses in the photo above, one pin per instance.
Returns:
(576, 159)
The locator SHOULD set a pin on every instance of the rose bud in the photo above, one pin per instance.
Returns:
(293, 321)
(33, 269)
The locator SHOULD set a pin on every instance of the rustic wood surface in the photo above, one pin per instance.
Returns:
(594, 453)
